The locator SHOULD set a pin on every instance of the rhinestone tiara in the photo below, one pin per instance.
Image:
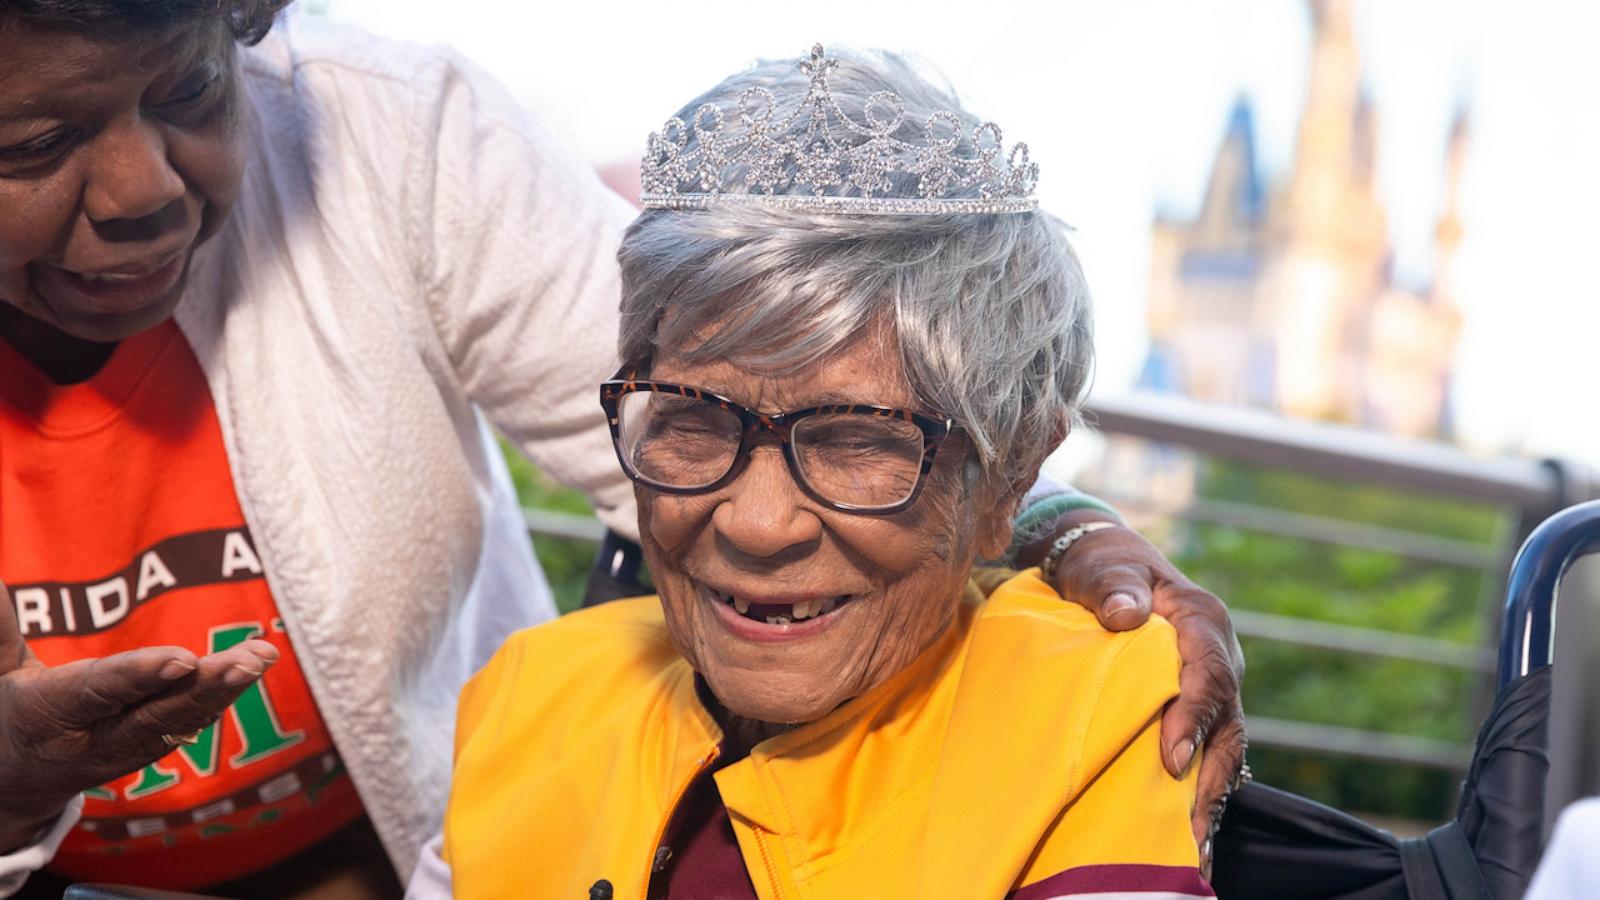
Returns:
(839, 165)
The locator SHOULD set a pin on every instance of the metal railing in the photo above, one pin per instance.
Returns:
(1526, 491)
(1336, 451)
(547, 523)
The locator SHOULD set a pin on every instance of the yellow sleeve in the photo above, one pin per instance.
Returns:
(485, 691)
(1133, 813)
(1128, 827)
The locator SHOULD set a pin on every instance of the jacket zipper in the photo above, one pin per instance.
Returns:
(766, 857)
(661, 830)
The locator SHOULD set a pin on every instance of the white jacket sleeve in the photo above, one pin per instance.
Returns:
(431, 880)
(515, 238)
(1571, 864)
(16, 867)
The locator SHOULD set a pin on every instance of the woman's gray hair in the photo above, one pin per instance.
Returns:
(990, 312)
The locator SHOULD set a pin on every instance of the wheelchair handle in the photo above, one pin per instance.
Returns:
(1527, 640)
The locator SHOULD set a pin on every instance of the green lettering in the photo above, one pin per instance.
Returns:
(153, 779)
(202, 754)
(253, 712)
(267, 816)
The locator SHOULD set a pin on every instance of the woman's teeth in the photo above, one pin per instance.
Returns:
(785, 613)
(110, 278)
(815, 608)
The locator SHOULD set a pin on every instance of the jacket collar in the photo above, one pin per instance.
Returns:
(803, 783)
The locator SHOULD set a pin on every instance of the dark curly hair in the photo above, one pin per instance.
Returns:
(249, 19)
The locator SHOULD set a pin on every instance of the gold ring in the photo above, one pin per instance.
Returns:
(181, 740)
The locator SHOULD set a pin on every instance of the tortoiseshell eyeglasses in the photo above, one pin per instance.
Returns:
(855, 458)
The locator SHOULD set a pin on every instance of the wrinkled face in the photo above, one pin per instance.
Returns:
(872, 591)
(118, 156)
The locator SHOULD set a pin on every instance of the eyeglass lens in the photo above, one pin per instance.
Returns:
(855, 459)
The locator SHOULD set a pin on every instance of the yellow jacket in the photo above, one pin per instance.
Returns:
(1020, 749)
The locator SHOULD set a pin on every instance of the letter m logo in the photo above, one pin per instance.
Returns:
(252, 716)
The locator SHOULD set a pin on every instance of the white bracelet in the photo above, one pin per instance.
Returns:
(1052, 557)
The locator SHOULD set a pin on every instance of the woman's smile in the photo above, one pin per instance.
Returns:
(775, 618)
(113, 290)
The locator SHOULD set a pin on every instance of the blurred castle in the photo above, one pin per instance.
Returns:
(1283, 298)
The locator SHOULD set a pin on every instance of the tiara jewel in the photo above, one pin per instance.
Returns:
(838, 165)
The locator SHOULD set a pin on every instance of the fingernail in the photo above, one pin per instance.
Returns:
(175, 669)
(1121, 601)
(1182, 756)
(240, 675)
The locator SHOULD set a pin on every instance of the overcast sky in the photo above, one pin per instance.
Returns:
(1123, 105)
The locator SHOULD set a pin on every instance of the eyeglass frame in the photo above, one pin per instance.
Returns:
(781, 425)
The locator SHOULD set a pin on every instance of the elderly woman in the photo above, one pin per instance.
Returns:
(849, 343)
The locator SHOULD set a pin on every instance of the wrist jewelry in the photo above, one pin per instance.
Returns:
(1037, 517)
(1058, 549)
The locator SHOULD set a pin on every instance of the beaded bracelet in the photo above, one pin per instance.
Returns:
(1048, 510)
(1052, 559)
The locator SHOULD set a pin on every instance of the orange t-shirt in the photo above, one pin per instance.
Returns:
(120, 528)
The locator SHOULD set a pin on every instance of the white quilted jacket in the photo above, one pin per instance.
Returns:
(409, 255)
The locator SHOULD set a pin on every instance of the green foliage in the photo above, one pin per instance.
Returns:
(1367, 788)
(1351, 501)
(1371, 588)
(566, 562)
(540, 491)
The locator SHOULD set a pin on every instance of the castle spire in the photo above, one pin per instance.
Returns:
(1447, 230)
(1325, 144)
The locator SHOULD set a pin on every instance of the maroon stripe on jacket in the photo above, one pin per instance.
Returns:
(1116, 878)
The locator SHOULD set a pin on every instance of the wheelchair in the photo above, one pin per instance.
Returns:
(1273, 844)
